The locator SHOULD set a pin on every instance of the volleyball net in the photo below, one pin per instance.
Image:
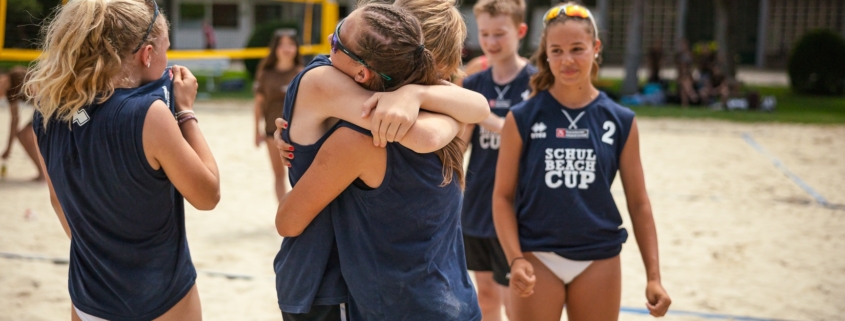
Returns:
(231, 24)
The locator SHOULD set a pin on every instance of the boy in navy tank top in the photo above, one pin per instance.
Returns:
(307, 267)
(552, 207)
(424, 295)
(504, 84)
(112, 142)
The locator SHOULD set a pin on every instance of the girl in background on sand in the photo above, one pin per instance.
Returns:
(108, 140)
(552, 206)
(271, 85)
(397, 212)
(10, 87)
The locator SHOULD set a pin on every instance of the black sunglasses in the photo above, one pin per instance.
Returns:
(149, 29)
(335, 43)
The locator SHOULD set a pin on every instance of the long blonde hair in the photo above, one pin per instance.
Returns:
(444, 29)
(543, 79)
(83, 52)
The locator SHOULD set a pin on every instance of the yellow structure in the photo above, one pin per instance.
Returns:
(328, 19)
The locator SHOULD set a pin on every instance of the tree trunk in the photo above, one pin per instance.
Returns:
(725, 29)
(633, 48)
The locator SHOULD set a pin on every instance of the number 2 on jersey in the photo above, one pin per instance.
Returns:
(610, 127)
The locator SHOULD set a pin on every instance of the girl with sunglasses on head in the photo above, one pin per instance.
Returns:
(108, 140)
(395, 212)
(271, 85)
(309, 283)
(552, 206)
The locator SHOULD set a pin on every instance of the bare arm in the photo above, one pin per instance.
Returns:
(639, 206)
(54, 200)
(493, 123)
(389, 124)
(343, 157)
(426, 140)
(504, 215)
(259, 115)
(181, 150)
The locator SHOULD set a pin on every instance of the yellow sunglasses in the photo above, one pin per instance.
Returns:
(570, 10)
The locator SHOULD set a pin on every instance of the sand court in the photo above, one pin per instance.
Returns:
(738, 238)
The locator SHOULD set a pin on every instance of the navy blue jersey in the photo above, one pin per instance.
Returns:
(307, 266)
(569, 160)
(400, 244)
(477, 218)
(129, 257)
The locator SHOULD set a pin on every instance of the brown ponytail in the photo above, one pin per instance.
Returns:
(392, 44)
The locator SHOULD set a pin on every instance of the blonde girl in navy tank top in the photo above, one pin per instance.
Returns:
(552, 207)
(118, 160)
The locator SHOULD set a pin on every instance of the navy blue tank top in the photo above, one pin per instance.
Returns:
(569, 160)
(477, 214)
(129, 257)
(400, 244)
(307, 266)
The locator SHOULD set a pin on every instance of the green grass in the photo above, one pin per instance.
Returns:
(245, 94)
(791, 108)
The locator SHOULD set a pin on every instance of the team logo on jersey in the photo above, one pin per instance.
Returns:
(81, 117)
(538, 130)
(525, 94)
(572, 132)
(570, 167)
(166, 95)
(500, 101)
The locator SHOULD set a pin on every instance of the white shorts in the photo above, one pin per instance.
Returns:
(85, 316)
(565, 269)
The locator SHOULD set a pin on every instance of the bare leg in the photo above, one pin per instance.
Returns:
(279, 170)
(596, 294)
(546, 304)
(73, 315)
(188, 309)
(27, 138)
(489, 296)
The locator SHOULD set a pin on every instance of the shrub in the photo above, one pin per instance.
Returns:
(261, 37)
(817, 64)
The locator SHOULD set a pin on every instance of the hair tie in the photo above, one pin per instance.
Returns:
(420, 48)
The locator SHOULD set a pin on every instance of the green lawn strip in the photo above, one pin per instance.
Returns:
(791, 108)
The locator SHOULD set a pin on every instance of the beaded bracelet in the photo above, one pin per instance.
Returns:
(183, 119)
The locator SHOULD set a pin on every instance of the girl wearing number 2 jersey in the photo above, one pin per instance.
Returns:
(552, 206)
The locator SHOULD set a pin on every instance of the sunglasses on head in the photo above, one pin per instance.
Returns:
(337, 45)
(569, 10)
(149, 29)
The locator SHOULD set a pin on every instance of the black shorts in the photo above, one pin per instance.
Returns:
(318, 313)
(486, 254)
